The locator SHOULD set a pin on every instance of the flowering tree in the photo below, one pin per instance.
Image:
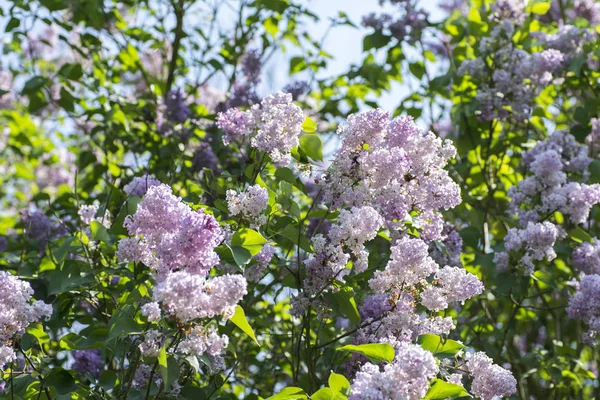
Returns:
(174, 225)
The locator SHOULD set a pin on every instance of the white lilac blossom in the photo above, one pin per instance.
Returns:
(489, 380)
(409, 264)
(585, 306)
(170, 235)
(87, 213)
(7, 355)
(586, 257)
(190, 296)
(454, 285)
(202, 341)
(407, 377)
(151, 311)
(273, 126)
(17, 311)
(393, 167)
(534, 243)
(249, 204)
(139, 185)
(153, 341)
(593, 139)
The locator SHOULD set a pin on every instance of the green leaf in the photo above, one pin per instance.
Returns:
(12, 24)
(239, 319)
(61, 380)
(123, 324)
(376, 352)
(347, 304)
(376, 40)
(580, 235)
(289, 393)
(99, 232)
(108, 379)
(338, 383)
(169, 369)
(248, 239)
(309, 125)
(434, 344)
(71, 71)
(443, 390)
(73, 341)
(312, 146)
(417, 69)
(34, 84)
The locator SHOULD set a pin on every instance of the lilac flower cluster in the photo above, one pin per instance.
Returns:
(394, 319)
(585, 306)
(179, 243)
(406, 378)
(392, 175)
(534, 243)
(87, 214)
(297, 89)
(177, 110)
(88, 361)
(405, 25)
(568, 39)
(344, 242)
(190, 297)
(249, 204)
(509, 9)
(556, 164)
(254, 272)
(139, 185)
(489, 380)
(153, 341)
(169, 235)
(201, 341)
(517, 77)
(273, 126)
(17, 312)
(586, 257)
(244, 90)
(448, 249)
(393, 167)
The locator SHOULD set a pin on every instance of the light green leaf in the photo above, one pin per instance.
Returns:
(309, 125)
(248, 239)
(376, 352)
(323, 394)
(443, 390)
(312, 146)
(539, 7)
(289, 393)
(239, 319)
(434, 344)
(99, 232)
(338, 383)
